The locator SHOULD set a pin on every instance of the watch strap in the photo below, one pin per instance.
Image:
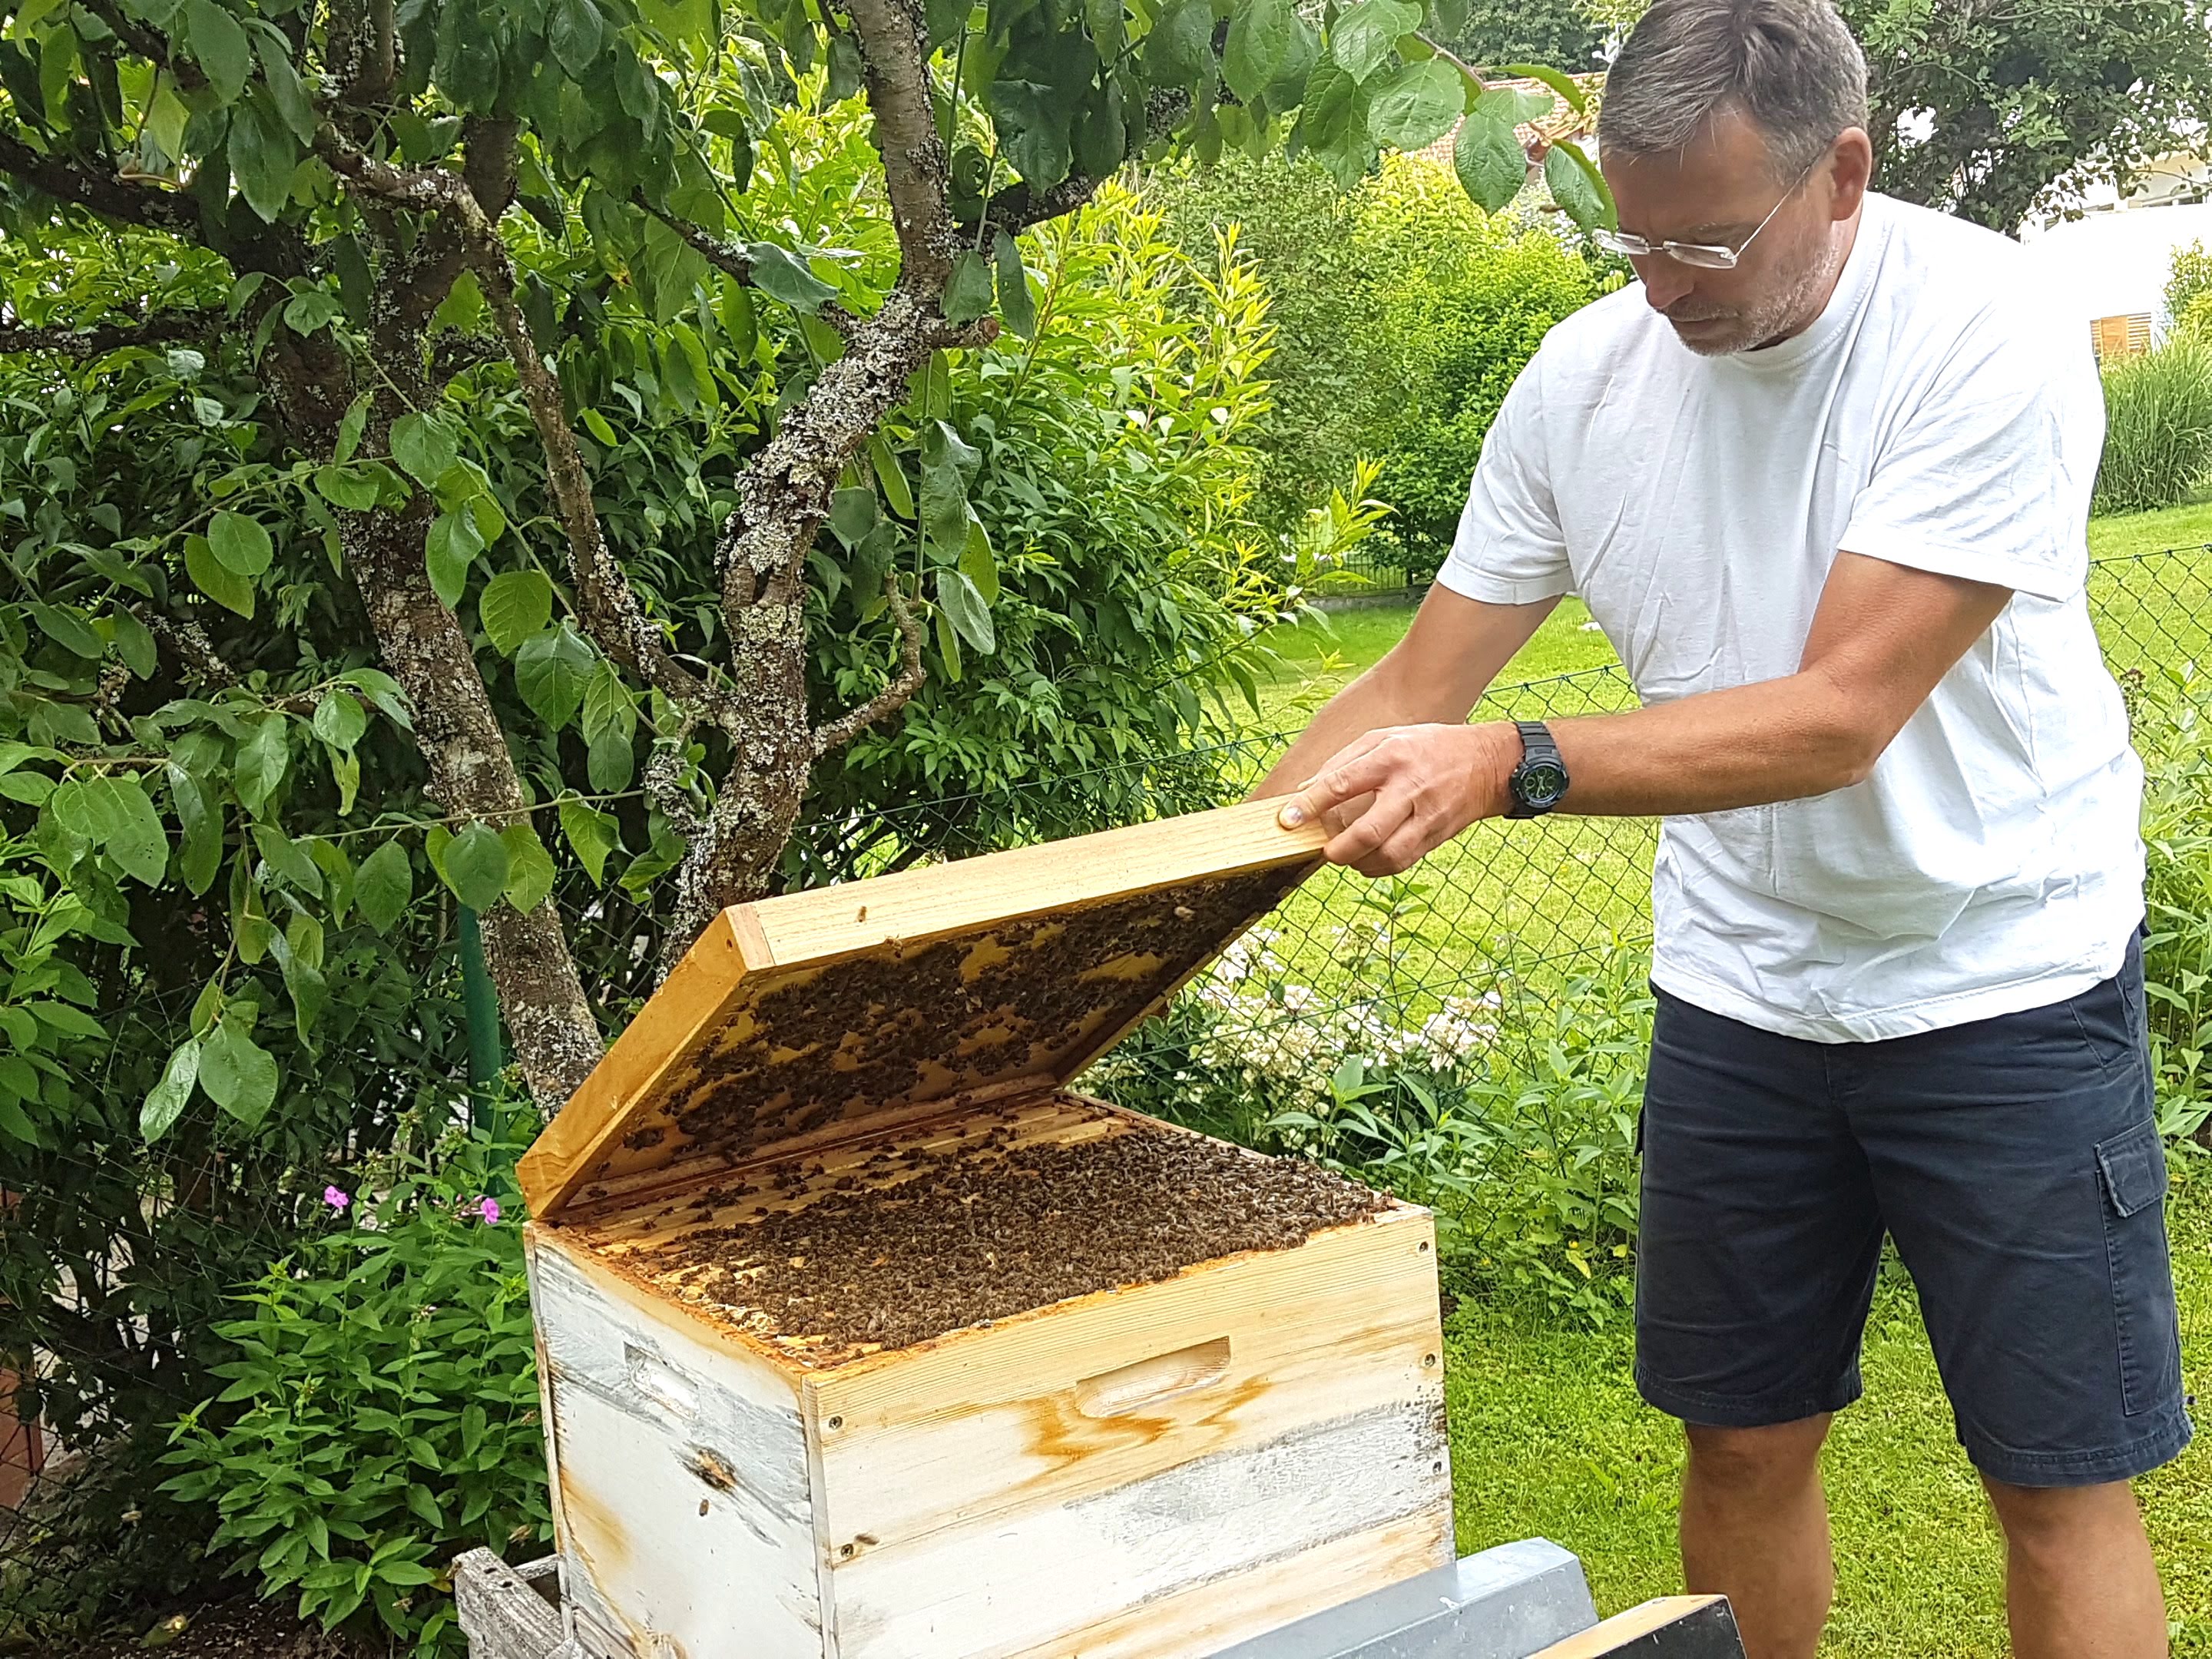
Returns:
(1537, 746)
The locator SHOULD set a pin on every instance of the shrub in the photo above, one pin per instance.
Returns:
(1402, 314)
(2189, 278)
(2157, 417)
(2171, 710)
(382, 1414)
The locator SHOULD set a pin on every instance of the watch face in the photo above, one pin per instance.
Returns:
(1542, 783)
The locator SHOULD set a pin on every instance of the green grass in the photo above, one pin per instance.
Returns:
(1550, 1439)
(2150, 532)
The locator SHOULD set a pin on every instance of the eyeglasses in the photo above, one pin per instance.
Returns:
(1710, 256)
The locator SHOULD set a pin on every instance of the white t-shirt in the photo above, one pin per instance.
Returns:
(1937, 415)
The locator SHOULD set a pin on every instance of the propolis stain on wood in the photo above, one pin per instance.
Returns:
(864, 1336)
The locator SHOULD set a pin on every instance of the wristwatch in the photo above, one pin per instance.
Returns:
(1540, 782)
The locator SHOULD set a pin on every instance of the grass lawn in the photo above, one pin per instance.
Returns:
(1550, 1439)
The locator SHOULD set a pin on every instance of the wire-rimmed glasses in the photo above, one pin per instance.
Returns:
(1708, 255)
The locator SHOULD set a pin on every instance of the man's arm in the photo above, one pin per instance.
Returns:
(1434, 674)
(1883, 636)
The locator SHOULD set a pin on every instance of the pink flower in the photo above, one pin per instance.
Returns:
(335, 1198)
(488, 1208)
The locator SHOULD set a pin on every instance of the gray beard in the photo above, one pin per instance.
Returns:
(1791, 310)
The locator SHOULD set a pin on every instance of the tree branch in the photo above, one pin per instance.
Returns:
(893, 697)
(1016, 207)
(732, 261)
(606, 605)
(894, 44)
(110, 196)
(84, 343)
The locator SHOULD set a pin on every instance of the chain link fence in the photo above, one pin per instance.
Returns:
(1517, 949)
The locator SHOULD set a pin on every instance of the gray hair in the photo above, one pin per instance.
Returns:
(1789, 65)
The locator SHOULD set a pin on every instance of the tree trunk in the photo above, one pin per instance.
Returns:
(557, 1040)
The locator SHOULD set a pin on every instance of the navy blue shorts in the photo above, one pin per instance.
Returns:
(2016, 1163)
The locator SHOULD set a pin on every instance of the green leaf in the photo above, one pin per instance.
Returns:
(264, 154)
(218, 43)
(166, 1102)
(351, 429)
(1490, 162)
(448, 550)
(239, 1074)
(1034, 121)
(1180, 48)
(217, 580)
(288, 91)
(1264, 41)
(425, 446)
(262, 760)
(353, 487)
(593, 835)
(287, 859)
(959, 601)
(897, 495)
(948, 463)
(66, 626)
(977, 562)
(782, 275)
(134, 644)
(340, 720)
(853, 515)
(968, 291)
(313, 309)
(576, 31)
(1552, 78)
(477, 867)
(299, 954)
(610, 762)
(529, 866)
(384, 885)
(240, 544)
(513, 605)
(383, 691)
(1514, 106)
(948, 644)
(1418, 105)
(1014, 302)
(1577, 187)
(1365, 36)
(129, 830)
(551, 670)
(199, 820)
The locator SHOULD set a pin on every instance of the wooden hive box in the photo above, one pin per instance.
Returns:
(864, 1336)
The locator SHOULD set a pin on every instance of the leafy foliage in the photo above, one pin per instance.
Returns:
(382, 1411)
(1988, 111)
(1560, 33)
(2158, 426)
(2170, 710)
(1401, 316)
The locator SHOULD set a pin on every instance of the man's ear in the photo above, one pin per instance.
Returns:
(1850, 168)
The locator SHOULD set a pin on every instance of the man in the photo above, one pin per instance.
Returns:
(1823, 479)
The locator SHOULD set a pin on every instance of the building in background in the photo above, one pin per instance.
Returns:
(2109, 267)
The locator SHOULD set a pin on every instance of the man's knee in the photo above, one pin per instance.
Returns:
(2054, 1524)
(1747, 1460)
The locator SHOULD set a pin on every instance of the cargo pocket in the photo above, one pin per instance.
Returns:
(2132, 1170)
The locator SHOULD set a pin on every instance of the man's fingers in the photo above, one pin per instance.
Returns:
(1370, 831)
(1347, 778)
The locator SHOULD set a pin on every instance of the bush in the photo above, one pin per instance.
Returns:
(2158, 418)
(1402, 314)
(2188, 279)
(382, 1414)
(2172, 716)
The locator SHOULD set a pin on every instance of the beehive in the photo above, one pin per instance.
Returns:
(863, 1335)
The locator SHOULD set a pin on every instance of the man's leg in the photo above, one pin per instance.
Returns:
(1755, 1529)
(2079, 1583)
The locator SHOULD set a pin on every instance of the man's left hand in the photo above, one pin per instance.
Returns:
(1397, 795)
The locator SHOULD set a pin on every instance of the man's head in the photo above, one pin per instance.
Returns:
(1717, 112)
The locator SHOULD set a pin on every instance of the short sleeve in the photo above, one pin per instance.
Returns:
(1510, 549)
(1988, 476)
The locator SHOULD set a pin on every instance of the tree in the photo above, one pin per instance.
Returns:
(1990, 108)
(374, 215)
(1560, 33)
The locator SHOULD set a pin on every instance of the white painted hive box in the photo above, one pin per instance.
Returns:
(864, 1336)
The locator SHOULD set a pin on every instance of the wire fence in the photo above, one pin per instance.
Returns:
(1481, 948)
